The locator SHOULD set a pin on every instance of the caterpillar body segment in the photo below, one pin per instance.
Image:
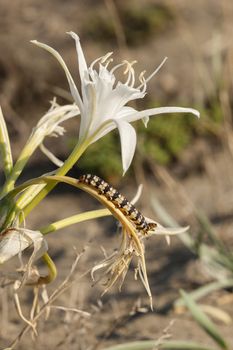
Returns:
(119, 201)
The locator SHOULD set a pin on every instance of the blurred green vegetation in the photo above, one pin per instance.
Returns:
(163, 141)
(165, 137)
(140, 23)
(102, 157)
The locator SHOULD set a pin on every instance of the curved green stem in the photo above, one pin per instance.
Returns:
(89, 215)
(52, 270)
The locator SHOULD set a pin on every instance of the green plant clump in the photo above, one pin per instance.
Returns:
(165, 138)
(139, 23)
(103, 157)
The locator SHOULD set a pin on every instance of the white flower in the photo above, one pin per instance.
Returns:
(49, 124)
(102, 102)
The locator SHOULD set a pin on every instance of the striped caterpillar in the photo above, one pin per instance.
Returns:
(119, 201)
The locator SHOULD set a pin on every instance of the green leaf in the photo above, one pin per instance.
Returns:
(162, 345)
(203, 320)
(5, 148)
(206, 289)
(44, 180)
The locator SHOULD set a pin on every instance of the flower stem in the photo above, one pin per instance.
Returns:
(68, 164)
(5, 147)
(18, 167)
(52, 270)
(89, 215)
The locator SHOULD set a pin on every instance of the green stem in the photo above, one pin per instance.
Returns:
(89, 215)
(5, 147)
(18, 167)
(52, 270)
(155, 344)
(68, 164)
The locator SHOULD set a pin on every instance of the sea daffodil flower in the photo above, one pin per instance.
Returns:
(102, 101)
(48, 125)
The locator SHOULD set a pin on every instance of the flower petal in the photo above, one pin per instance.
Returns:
(81, 59)
(51, 156)
(161, 110)
(73, 88)
(128, 138)
(160, 230)
(48, 125)
(154, 72)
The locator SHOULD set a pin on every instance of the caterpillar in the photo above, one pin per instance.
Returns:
(119, 201)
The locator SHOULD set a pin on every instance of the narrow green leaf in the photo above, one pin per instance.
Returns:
(153, 344)
(203, 320)
(40, 180)
(218, 260)
(206, 289)
(5, 148)
(216, 313)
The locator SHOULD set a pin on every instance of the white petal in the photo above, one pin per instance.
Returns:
(13, 241)
(103, 131)
(48, 125)
(51, 156)
(154, 72)
(81, 59)
(162, 110)
(128, 143)
(73, 88)
(160, 230)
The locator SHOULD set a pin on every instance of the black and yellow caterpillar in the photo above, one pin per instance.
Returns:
(119, 201)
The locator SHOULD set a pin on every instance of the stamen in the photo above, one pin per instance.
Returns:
(127, 71)
(127, 63)
(95, 61)
(131, 75)
(154, 72)
(107, 62)
(102, 59)
(117, 66)
(143, 81)
(141, 76)
(54, 104)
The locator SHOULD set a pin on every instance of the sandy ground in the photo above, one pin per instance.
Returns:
(124, 316)
(25, 88)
